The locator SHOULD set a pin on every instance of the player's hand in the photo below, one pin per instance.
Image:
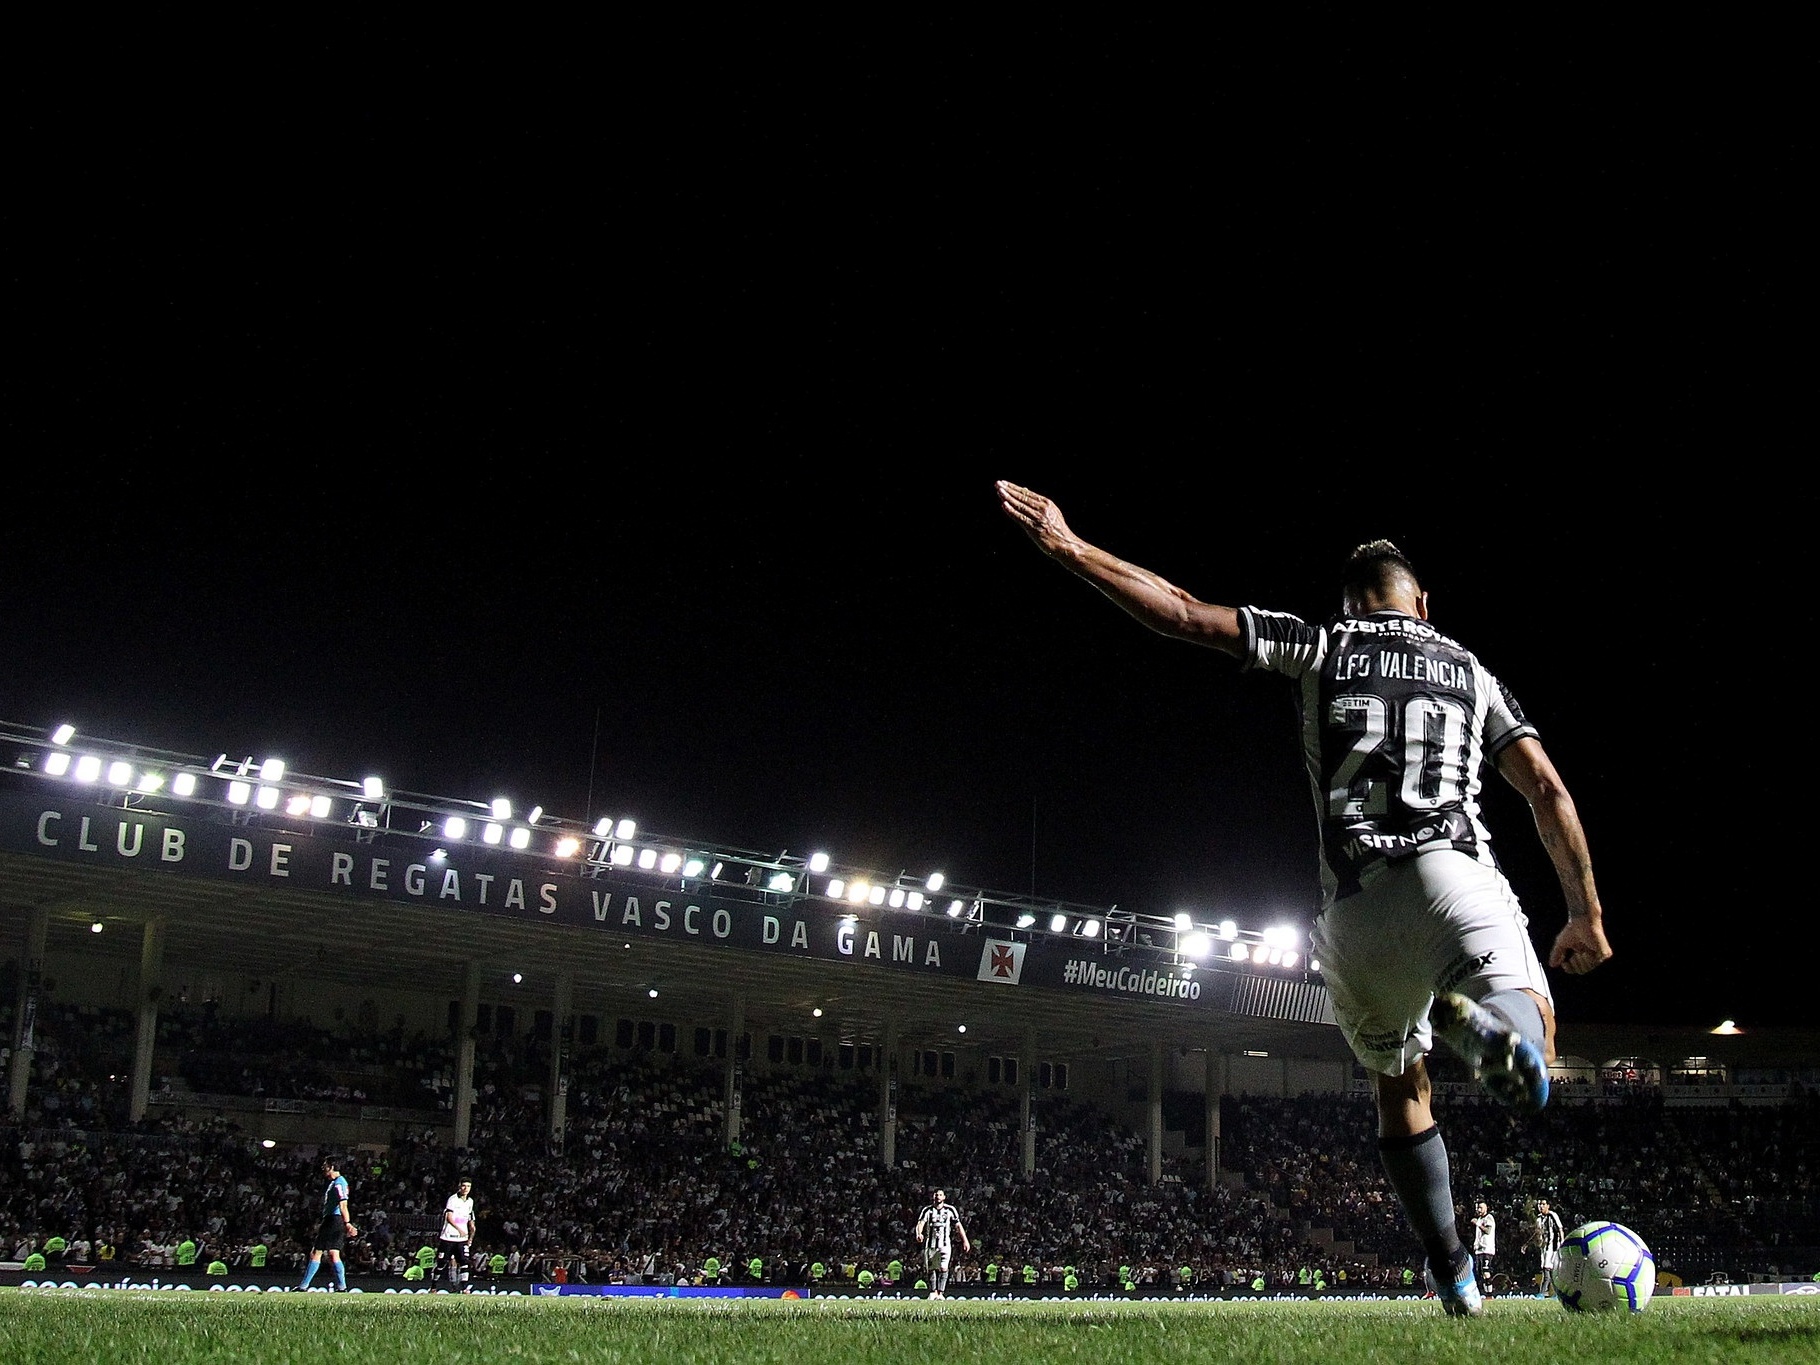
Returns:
(1041, 519)
(353, 1231)
(1579, 947)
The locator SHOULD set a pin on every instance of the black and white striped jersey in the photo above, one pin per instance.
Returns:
(937, 1222)
(1398, 722)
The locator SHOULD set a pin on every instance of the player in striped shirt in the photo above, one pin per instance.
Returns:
(935, 1229)
(1419, 931)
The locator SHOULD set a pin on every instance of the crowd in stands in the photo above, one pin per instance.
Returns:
(643, 1186)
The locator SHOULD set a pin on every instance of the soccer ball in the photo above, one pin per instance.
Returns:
(1605, 1267)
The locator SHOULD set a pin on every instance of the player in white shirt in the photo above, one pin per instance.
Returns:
(1484, 1243)
(456, 1239)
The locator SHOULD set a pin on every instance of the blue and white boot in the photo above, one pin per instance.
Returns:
(1461, 1298)
(1510, 1069)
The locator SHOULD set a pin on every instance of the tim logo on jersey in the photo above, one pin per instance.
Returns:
(1000, 961)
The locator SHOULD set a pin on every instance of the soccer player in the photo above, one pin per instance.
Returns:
(333, 1228)
(456, 1237)
(1419, 933)
(1484, 1244)
(1549, 1236)
(935, 1229)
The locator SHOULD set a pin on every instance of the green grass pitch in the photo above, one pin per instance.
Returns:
(124, 1327)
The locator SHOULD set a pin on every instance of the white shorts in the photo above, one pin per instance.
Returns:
(1438, 921)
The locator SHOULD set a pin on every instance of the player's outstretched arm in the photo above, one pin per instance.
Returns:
(1150, 598)
(1581, 944)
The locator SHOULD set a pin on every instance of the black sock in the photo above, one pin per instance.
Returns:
(1418, 1171)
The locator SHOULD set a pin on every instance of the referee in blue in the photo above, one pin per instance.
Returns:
(333, 1228)
(1419, 932)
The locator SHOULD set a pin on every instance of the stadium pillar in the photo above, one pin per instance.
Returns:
(145, 1036)
(1026, 1113)
(887, 1096)
(736, 1029)
(1212, 1059)
(1155, 1143)
(559, 1053)
(465, 1023)
(31, 974)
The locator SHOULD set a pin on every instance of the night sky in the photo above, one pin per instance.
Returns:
(618, 434)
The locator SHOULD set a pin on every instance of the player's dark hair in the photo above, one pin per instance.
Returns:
(1375, 569)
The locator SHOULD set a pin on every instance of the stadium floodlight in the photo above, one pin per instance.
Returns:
(877, 895)
(266, 798)
(272, 770)
(647, 858)
(693, 865)
(567, 846)
(818, 862)
(57, 764)
(1184, 923)
(1197, 944)
(836, 888)
(63, 734)
(1025, 919)
(936, 881)
(858, 891)
(184, 784)
(1290, 958)
(319, 807)
(954, 909)
(896, 899)
(119, 774)
(603, 828)
(1058, 922)
(1282, 936)
(669, 863)
(95, 927)
(150, 781)
(521, 837)
(914, 900)
(502, 808)
(491, 833)
(455, 827)
(297, 805)
(1240, 952)
(88, 768)
(622, 855)
(625, 829)
(535, 815)
(373, 789)
(1089, 928)
(239, 793)
(1228, 930)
